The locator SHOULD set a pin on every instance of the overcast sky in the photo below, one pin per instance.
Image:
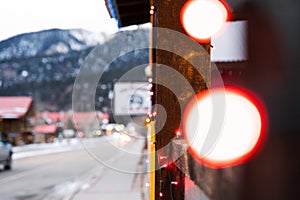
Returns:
(22, 16)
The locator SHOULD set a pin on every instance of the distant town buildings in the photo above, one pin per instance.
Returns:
(21, 124)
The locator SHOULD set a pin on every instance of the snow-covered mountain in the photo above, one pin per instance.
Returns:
(49, 42)
(44, 64)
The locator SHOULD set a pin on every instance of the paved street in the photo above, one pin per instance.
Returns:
(92, 169)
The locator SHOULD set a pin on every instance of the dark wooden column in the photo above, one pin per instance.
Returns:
(167, 15)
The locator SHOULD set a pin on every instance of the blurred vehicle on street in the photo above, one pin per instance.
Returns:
(6, 154)
(112, 127)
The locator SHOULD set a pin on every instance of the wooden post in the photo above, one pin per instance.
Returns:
(167, 15)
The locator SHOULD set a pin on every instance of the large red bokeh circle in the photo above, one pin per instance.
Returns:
(243, 158)
(206, 33)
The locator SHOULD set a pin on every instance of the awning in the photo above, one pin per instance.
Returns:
(129, 13)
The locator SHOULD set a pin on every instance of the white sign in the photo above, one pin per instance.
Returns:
(132, 98)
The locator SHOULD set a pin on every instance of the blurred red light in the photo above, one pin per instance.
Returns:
(242, 128)
(174, 182)
(178, 132)
(203, 19)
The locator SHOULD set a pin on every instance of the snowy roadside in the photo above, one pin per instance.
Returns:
(47, 148)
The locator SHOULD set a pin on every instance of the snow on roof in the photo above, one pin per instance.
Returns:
(45, 129)
(14, 107)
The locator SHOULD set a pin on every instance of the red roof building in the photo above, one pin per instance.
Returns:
(45, 133)
(14, 107)
(16, 115)
(45, 129)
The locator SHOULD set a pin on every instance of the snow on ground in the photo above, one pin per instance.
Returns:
(45, 148)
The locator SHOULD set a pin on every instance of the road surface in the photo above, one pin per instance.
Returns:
(62, 174)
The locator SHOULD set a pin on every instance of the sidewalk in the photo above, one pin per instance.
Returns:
(111, 184)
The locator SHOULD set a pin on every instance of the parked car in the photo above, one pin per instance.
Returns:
(6, 154)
